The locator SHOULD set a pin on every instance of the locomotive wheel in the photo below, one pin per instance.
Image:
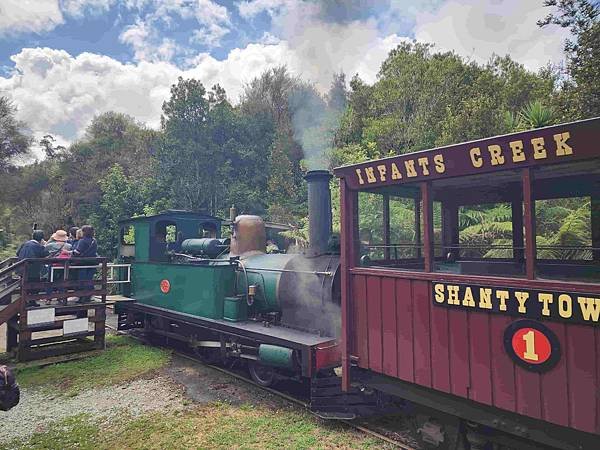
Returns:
(262, 375)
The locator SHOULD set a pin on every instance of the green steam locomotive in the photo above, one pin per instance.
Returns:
(227, 299)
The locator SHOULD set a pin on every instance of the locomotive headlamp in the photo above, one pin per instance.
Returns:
(252, 290)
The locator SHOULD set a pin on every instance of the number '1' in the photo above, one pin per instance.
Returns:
(530, 353)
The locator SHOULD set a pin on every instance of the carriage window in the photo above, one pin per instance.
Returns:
(390, 231)
(564, 229)
(485, 231)
(565, 239)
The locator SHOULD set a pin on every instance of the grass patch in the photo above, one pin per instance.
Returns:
(124, 359)
(214, 426)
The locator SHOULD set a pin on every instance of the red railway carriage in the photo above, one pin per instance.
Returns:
(503, 333)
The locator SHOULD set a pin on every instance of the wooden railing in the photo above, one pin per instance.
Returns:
(47, 318)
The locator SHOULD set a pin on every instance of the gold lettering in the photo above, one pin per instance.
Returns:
(410, 168)
(539, 152)
(439, 292)
(590, 308)
(562, 148)
(522, 298)
(502, 296)
(476, 158)
(370, 175)
(546, 299)
(424, 163)
(452, 295)
(496, 155)
(485, 298)
(382, 171)
(565, 306)
(440, 167)
(360, 178)
(396, 175)
(468, 300)
(517, 151)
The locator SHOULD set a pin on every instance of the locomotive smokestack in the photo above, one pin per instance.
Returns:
(319, 210)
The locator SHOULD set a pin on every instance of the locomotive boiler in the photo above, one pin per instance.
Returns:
(227, 298)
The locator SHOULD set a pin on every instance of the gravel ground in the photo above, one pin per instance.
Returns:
(172, 388)
(38, 409)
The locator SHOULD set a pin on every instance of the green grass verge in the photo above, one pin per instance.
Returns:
(124, 359)
(214, 426)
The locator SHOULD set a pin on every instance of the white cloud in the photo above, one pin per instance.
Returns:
(209, 35)
(78, 8)
(36, 16)
(58, 93)
(251, 8)
(476, 30)
(214, 23)
(147, 43)
(147, 35)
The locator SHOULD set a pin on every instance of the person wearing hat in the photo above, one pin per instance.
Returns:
(58, 244)
(58, 247)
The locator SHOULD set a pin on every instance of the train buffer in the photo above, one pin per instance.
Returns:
(48, 310)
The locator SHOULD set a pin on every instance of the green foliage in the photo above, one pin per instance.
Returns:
(424, 99)
(536, 115)
(122, 197)
(14, 138)
(580, 95)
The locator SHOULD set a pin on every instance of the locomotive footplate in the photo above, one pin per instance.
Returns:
(188, 326)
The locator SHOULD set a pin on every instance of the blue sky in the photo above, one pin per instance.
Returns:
(64, 61)
(100, 26)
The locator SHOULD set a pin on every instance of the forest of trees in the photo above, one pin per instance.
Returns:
(209, 154)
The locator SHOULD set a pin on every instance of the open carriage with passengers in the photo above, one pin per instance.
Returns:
(503, 332)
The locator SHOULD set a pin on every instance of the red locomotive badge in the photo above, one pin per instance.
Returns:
(532, 345)
(165, 286)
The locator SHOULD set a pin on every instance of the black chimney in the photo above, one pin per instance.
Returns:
(319, 210)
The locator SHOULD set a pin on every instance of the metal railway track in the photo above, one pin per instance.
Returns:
(280, 394)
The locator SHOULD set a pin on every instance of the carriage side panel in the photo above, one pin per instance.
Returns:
(462, 352)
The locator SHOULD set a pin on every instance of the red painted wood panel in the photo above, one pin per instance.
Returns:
(400, 333)
(422, 332)
(374, 323)
(440, 348)
(503, 369)
(527, 393)
(479, 354)
(580, 353)
(404, 315)
(359, 287)
(459, 349)
(554, 388)
(388, 315)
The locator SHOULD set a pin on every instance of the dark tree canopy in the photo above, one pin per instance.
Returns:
(14, 138)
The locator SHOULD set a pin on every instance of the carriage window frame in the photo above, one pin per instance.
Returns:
(530, 191)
